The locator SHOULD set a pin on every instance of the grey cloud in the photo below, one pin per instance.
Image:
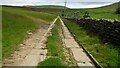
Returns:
(91, 3)
(79, 0)
(82, 2)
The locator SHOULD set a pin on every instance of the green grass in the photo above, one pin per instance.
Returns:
(53, 9)
(52, 43)
(14, 28)
(107, 12)
(105, 54)
(16, 24)
(54, 46)
(42, 15)
(53, 61)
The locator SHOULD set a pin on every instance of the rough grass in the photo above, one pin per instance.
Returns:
(96, 13)
(105, 54)
(42, 15)
(14, 28)
(107, 12)
(53, 61)
(54, 46)
(15, 24)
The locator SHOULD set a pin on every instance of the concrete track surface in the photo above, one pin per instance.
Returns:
(78, 53)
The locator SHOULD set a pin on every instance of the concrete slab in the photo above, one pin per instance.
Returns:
(84, 64)
(38, 52)
(79, 55)
(32, 59)
(71, 43)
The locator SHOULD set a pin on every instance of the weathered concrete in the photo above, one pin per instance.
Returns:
(78, 54)
(70, 43)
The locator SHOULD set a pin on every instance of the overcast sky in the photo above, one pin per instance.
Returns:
(70, 3)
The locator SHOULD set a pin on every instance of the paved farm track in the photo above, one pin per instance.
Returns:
(33, 50)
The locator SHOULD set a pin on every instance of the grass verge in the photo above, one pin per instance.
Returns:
(105, 54)
(14, 31)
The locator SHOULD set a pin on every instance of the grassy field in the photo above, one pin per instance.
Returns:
(42, 15)
(54, 46)
(53, 9)
(14, 30)
(105, 54)
(16, 24)
(107, 12)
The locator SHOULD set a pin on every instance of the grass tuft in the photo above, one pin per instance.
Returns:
(53, 61)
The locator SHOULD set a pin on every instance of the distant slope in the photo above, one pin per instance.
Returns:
(48, 6)
(107, 8)
(110, 7)
(53, 9)
(107, 12)
(23, 12)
